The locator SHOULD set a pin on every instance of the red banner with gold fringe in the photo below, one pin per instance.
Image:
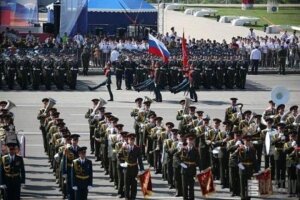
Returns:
(146, 184)
(206, 182)
(264, 182)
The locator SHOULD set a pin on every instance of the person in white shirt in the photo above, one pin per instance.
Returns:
(284, 36)
(255, 58)
(264, 50)
(251, 34)
(29, 37)
(78, 38)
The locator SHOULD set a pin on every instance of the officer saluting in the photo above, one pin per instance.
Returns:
(82, 175)
(13, 173)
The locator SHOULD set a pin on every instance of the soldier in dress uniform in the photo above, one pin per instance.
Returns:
(230, 111)
(111, 137)
(85, 60)
(166, 135)
(90, 116)
(13, 173)
(99, 119)
(148, 125)
(290, 119)
(199, 121)
(232, 146)
(129, 66)
(42, 116)
(270, 111)
(279, 155)
(245, 122)
(203, 148)
(119, 75)
(103, 141)
(188, 157)
(279, 114)
(114, 141)
(169, 147)
(156, 133)
(177, 146)
(246, 158)
(211, 141)
(134, 113)
(82, 175)
(290, 149)
(70, 154)
(269, 151)
(223, 156)
(180, 112)
(121, 159)
(158, 78)
(257, 139)
(133, 158)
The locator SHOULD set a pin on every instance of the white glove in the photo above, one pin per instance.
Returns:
(141, 172)
(65, 175)
(89, 188)
(294, 144)
(238, 143)
(3, 186)
(75, 188)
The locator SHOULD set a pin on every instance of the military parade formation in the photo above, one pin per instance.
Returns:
(235, 150)
(12, 174)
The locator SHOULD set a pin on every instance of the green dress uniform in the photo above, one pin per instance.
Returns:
(120, 160)
(190, 157)
(257, 141)
(280, 160)
(177, 145)
(291, 162)
(82, 177)
(156, 136)
(211, 141)
(247, 157)
(203, 148)
(234, 179)
(92, 125)
(98, 140)
(223, 157)
(13, 175)
(41, 117)
(133, 157)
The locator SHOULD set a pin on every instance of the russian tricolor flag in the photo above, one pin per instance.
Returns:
(158, 48)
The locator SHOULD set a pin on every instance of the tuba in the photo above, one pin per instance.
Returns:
(100, 104)
(187, 105)
(9, 105)
(280, 95)
(50, 105)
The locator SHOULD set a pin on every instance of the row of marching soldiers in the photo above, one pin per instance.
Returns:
(120, 157)
(12, 170)
(234, 153)
(72, 169)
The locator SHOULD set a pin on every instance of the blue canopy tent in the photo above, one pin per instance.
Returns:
(108, 16)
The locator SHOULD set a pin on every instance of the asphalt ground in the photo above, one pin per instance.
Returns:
(40, 182)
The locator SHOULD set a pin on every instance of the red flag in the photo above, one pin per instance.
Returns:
(185, 56)
(206, 182)
(146, 184)
(264, 182)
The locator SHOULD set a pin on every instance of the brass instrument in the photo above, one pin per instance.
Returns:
(9, 105)
(148, 99)
(280, 95)
(100, 104)
(50, 105)
(186, 105)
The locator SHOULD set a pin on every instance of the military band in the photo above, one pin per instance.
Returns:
(233, 149)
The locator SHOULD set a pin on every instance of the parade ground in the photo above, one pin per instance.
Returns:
(40, 182)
